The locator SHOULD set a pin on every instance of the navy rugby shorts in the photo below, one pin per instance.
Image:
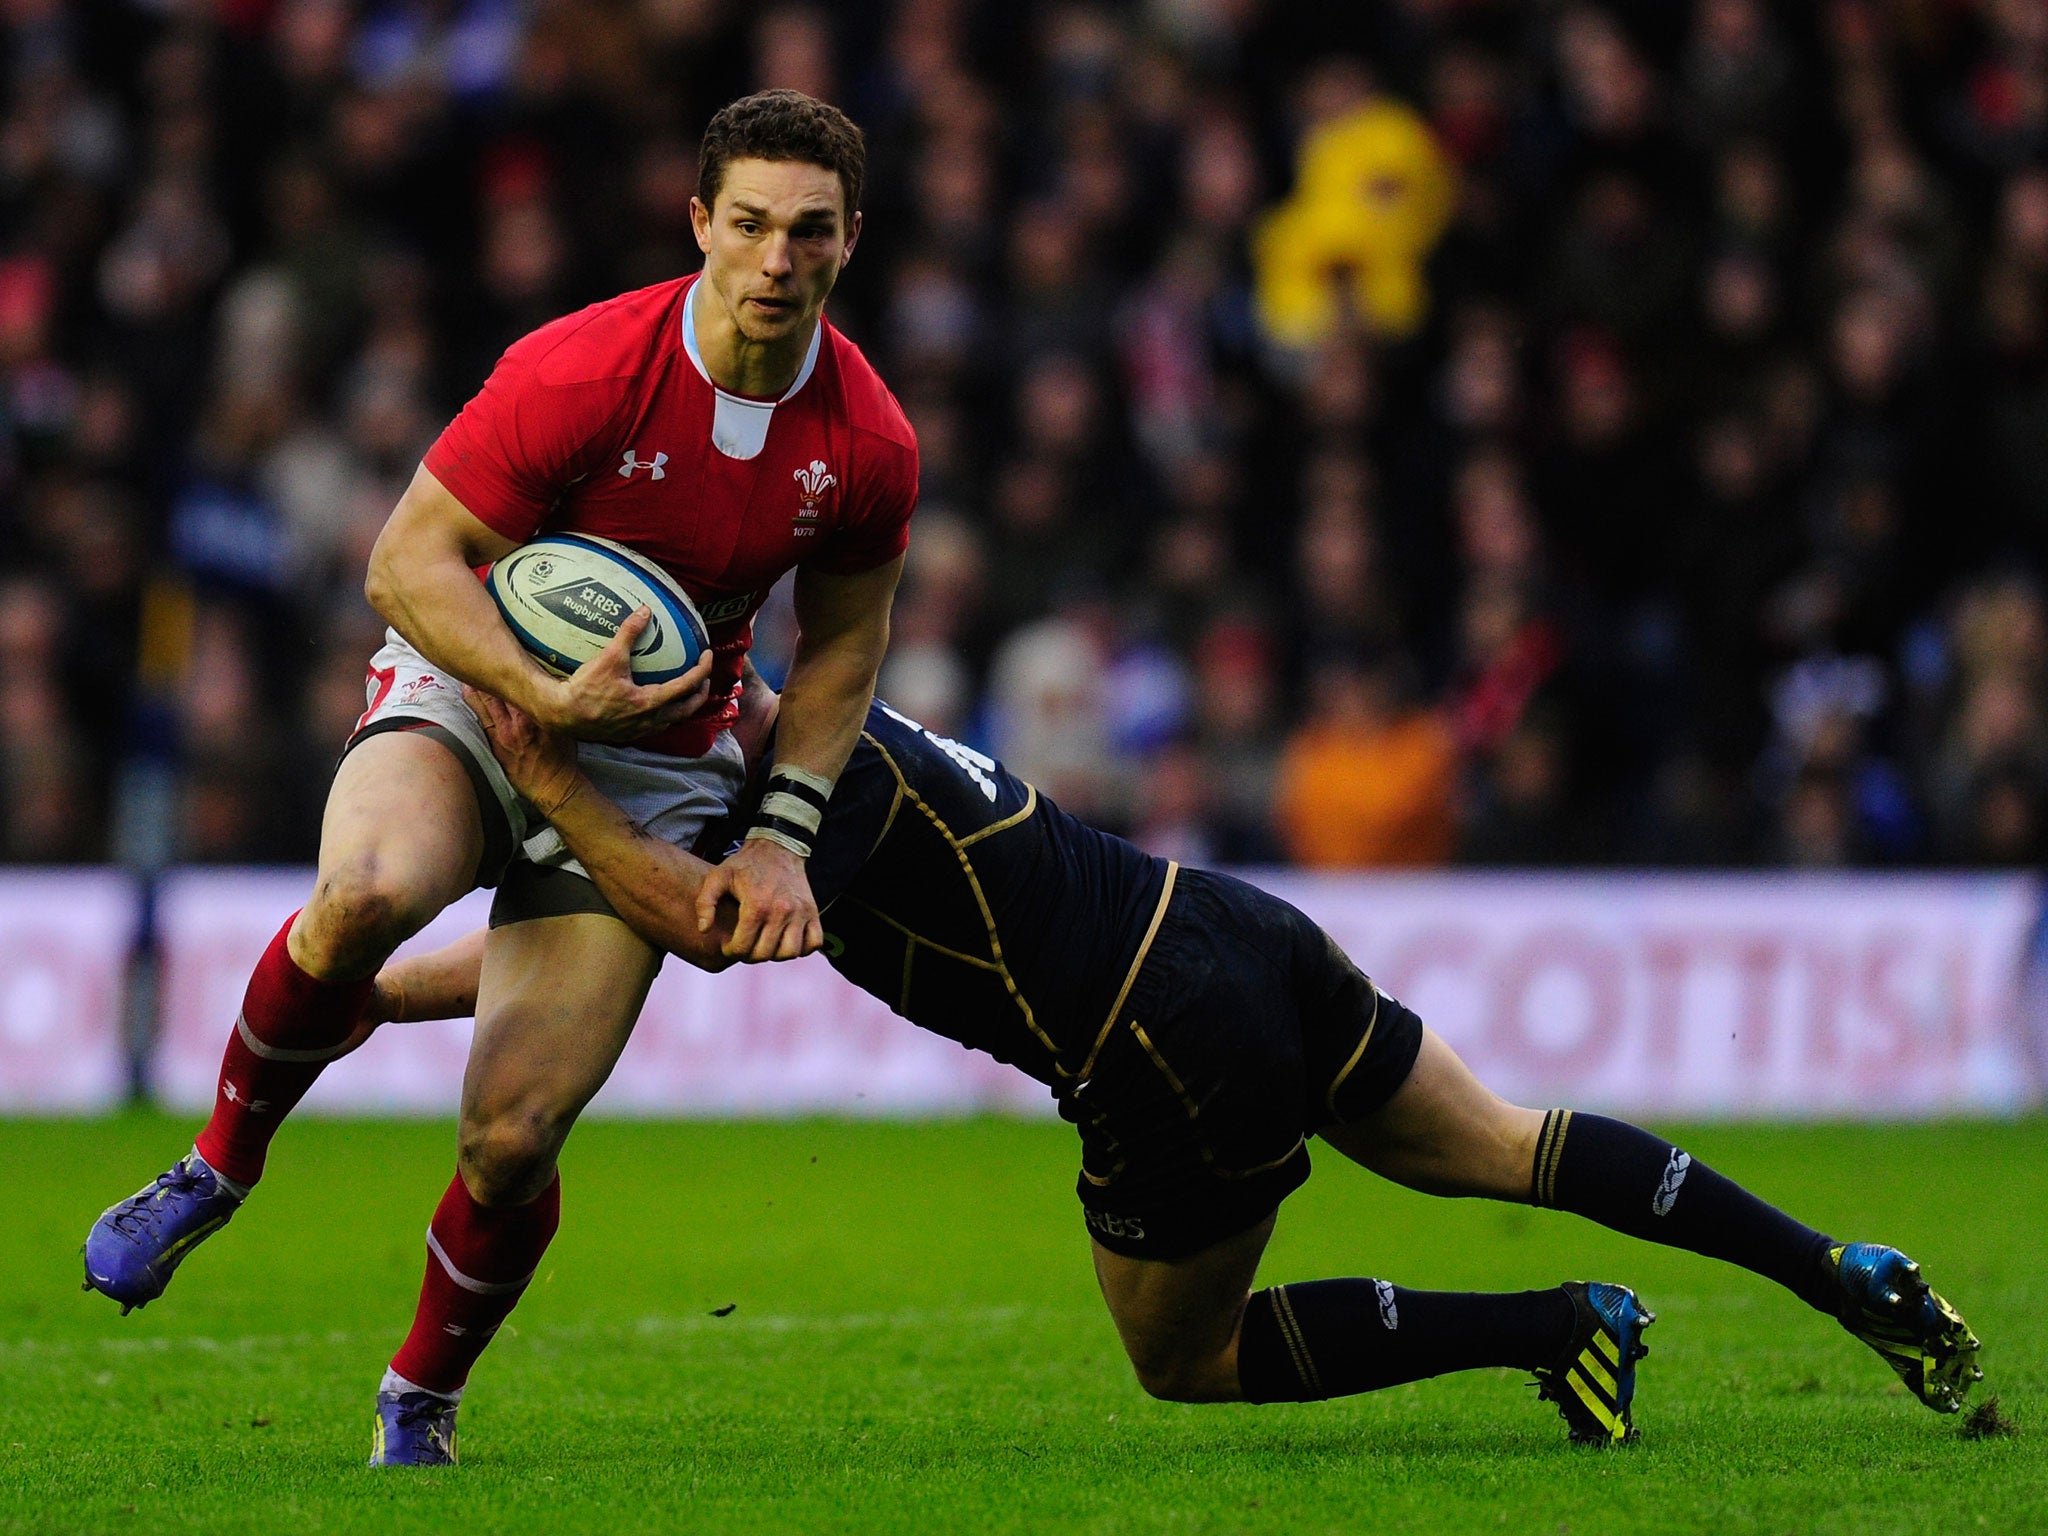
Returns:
(1246, 1030)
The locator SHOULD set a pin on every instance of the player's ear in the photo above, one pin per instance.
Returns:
(852, 234)
(700, 224)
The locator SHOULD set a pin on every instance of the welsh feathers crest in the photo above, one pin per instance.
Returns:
(815, 480)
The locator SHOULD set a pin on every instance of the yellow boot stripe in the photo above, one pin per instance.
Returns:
(1607, 1352)
(1597, 1371)
(1600, 1410)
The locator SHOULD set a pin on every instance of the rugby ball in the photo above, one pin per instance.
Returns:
(564, 596)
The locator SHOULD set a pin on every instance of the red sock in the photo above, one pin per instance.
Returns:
(291, 1026)
(479, 1259)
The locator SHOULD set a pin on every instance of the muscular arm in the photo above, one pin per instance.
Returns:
(759, 705)
(422, 580)
(652, 885)
(440, 985)
(632, 869)
(842, 633)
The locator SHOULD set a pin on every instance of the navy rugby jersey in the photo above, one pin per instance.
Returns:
(974, 906)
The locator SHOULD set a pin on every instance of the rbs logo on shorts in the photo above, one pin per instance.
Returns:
(1129, 1228)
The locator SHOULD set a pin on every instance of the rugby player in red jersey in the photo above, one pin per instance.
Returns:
(719, 425)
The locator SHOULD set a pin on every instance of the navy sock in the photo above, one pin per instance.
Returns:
(1627, 1179)
(1332, 1338)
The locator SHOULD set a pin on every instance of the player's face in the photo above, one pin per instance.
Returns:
(774, 244)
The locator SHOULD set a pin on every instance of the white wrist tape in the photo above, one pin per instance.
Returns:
(792, 810)
(781, 803)
(780, 839)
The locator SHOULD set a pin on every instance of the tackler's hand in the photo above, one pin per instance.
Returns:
(778, 918)
(540, 763)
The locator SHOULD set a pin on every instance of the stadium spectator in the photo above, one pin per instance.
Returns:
(1368, 779)
(1048, 706)
(1236, 710)
(1372, 193)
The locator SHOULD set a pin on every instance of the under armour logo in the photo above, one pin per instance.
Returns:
(1667, 1190)
(652, 466)
(254, 1106)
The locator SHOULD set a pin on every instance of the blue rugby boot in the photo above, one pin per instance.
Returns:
(413, 1429)
(1594, 1380)
(134, 1248)
(1887, 1305)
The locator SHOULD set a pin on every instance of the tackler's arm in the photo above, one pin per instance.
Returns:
(651, 884)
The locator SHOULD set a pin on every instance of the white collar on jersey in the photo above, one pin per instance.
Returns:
(739, 426)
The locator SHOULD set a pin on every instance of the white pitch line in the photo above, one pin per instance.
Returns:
(649, 1326)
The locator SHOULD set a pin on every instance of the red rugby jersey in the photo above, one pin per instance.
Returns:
(605, 422)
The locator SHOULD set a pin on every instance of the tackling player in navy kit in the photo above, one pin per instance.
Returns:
(1197, 1031)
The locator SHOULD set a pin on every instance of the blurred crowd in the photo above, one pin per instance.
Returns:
(1401, 433)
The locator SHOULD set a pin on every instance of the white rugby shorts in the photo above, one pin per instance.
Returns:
(674, 798)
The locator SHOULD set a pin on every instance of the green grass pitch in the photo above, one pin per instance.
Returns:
(916, 1345)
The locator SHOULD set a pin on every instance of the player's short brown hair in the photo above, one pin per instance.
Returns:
(782, 125)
